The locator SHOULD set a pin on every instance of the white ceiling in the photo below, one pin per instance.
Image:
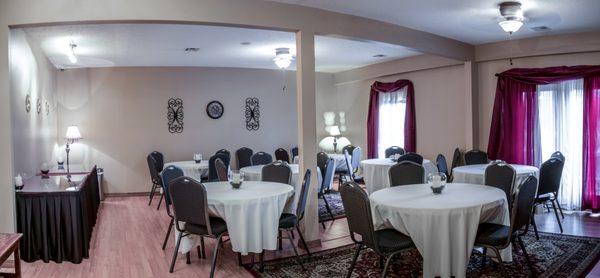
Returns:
(470, 21)
(120, 45)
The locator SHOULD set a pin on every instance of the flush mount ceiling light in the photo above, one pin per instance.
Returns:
(192, 49)
(283, 57)
(512, 16)
(71, 53)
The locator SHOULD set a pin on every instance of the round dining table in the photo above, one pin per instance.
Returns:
(340, 160)
(191, 168)
(375, 172)
(251, 212)
(442, 226)
(476, 173)
(254, 173)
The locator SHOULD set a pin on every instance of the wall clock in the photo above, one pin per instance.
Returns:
(252, 114)
(175, 115)
(215, 109)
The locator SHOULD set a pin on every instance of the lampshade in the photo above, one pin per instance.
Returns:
(326, 144)
(73, 133)
(334, 130)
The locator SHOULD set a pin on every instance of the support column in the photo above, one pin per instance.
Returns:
(307, 127)
(472, 106)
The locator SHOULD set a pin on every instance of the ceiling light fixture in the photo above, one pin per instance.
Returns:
(71, 53)
(379, 56)
(512, 17)
(283, 58)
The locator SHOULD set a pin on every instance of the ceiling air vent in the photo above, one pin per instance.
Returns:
(191, 49)
(541, 28)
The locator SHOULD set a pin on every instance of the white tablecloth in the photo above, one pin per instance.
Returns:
(476, 173)
(443, 227)
(251, 212)
(340, 160)
(254, 173)
(375, 172)
(191, 168)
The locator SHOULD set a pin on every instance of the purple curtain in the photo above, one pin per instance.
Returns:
(410, 127)
(591, 152)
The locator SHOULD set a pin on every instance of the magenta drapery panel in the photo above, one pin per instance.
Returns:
(591, 152)
(410, 127)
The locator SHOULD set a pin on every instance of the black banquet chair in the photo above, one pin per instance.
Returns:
(501, 175)
(225, 152)
(393, 150)
(406, 172)
(221, 170)
(294, 153)
(457, 159)
(386, 242)
(476, 157)
(277, 172)
(154, 178)
(169, 174)
(322, 159)
(550, 176)
(497, 237)
(325, 186)
(413, 157)
(190, 205)
(261, 158)
(349, 149)
(442, 165)
(288, 222)
(243, 156)
(212, 165)
(282, 155)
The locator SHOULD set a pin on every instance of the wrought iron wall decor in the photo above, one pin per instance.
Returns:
(175, 115)
(47, 107)
(27, 103)
(252, 114)
(38, 105)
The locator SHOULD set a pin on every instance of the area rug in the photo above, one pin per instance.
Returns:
(335, 204)
(554, 255)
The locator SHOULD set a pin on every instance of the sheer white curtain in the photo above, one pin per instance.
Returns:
(560, 108)
(392, 111)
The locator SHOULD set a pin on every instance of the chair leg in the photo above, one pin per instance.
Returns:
(323, 224)
(557, 217)
(558, 204)
(175, 252)
(547, 207)
(484, 257)
(203, 248)
(387, 264)
(188, 260)
(303, 242)
(239, 256)
(261, 259)
(537, 236)
(199, 252)
(279, 240)
(497, 254)
(160, 201)
(328, 208)
(529, 263)
(168, 234)
(215, 254)
(152, 193)
(292, 232)
(381, 259)
(354, 260)
(295, 251)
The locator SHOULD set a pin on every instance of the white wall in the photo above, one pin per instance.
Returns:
(122, 115)
(33, 134)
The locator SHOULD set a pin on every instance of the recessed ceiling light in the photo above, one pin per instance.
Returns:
(245, 43)
(379, 56)
(191, 49)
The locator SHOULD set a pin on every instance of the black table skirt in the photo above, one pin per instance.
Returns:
(57, 226)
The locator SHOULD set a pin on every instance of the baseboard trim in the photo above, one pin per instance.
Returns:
(127, 194)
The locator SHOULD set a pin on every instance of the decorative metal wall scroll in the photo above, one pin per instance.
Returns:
(47, 107)
(252, 114)
(27, 103)
(38, 105)
(175, 115)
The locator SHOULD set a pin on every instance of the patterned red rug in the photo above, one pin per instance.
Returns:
(554, 255)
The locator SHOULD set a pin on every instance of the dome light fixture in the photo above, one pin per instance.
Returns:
(71, 53)
(512, 16)
(283, 58)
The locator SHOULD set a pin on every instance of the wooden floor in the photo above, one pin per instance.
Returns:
(128, 236)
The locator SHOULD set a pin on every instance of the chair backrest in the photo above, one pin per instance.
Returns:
(393, 150)
(261, 158)
(168, 175)
(349, 164)
(190, 205)
(356, 157)
(456, 159)
(328, 175)
(559, 155)
(221, 170)
(277, 172)
(523, 204)
(243, 156)
(349, 148)
(501, 175)
(476, 157)
(550, 175)
(294, 152)
(358, 213)
(224, 151)
(282, 155)
(413, 157)
(406, 172)
(303, 195)
(212, 168)
(322, 159)
(442, 165)
(160, 160)
(153, 169)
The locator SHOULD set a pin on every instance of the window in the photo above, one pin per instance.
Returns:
(560, 115)
(392, 110)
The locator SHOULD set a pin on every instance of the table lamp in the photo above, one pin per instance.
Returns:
(334, 131)
(72, 135)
